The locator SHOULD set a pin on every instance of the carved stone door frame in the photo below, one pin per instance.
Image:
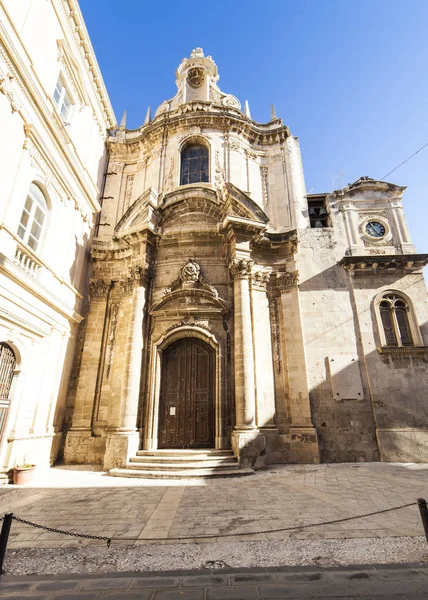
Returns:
(155, 374)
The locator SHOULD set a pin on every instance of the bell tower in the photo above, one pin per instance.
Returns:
(195, 76)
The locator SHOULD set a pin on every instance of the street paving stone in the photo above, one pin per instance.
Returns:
(382, 582)
(283, 496)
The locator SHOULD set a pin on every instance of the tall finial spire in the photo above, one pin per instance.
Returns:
(247, 110)
(148, 117)
(123, 121)
(273, 116)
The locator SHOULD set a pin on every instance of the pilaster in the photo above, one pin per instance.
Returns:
(247, 442)
(303, 435)
(123, 438)
(77, 442)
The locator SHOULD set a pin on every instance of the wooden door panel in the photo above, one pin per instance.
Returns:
(186, 411)
(171, 426)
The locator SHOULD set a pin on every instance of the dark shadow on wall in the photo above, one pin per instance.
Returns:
(387, 417)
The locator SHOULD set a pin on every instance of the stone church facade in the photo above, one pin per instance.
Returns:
(229, 310)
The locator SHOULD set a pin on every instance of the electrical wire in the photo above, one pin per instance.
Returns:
(404, 161)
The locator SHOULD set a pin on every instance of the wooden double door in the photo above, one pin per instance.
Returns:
(186, 410)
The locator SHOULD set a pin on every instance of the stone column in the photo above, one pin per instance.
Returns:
(265, 387)
(123, 442)
(245, 398)
(304, 440)
(246, 440)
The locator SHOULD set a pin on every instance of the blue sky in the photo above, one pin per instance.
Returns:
(349, 77)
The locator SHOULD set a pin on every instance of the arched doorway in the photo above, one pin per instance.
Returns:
(186, 408)
(7, 370)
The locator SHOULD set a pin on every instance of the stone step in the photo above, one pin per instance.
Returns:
(203, 460)
(183, 453)
(172, 466)
(181, 474)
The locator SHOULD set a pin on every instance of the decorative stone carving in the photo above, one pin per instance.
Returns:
(136, 277)
(99, 287)
(112, 337)
(274, 321)
(190, 277)
(241, 268)
(169, 178)
(189, 321)
(234, 145)
(6, 89)
(260, 279)
(250, 154)
(287, 280)
(265, 185)
(190, 272)
(230, 101)
(220, 176)
(128, 193)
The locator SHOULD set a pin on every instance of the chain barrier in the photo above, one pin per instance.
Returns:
(109, 540)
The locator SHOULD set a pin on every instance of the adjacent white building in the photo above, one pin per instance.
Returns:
(55, 114)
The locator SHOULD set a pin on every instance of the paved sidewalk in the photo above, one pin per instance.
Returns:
(394, 582)
(90, 502)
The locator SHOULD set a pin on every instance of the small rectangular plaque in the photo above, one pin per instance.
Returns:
(172, 410)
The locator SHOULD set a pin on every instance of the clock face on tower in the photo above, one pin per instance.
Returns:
(375, 229)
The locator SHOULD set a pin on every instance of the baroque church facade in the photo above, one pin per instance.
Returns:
(172, 301)
(232, 312)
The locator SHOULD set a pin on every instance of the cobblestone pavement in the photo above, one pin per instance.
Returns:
(404, 582)
(90, 502)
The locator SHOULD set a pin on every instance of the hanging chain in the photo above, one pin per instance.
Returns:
(109, 540)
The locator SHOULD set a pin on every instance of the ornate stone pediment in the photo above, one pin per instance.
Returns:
(190, 289)
(239, 204)
(142, 214)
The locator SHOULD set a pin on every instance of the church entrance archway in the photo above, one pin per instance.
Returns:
(186, 408)
(7, 371)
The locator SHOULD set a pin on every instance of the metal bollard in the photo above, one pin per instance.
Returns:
(423, 509)
(4, 537)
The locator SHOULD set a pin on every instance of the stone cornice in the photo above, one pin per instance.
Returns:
(384, 262)
(204, 114)
(403, 351)
(78, 29)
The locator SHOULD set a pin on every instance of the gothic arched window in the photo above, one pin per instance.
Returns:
(194, 164)
(33, 216)
(395, 316)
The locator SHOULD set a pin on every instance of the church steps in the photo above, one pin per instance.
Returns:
(184, 453)
(183, 473)
(174, 464)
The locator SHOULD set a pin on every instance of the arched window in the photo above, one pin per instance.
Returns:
(32, 218)
(394, 313)
(194, 164)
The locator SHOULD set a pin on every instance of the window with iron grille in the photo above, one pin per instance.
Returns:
(7, 369)
(194, 164)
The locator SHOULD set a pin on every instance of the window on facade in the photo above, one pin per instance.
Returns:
(318, 215)
(62, 99)
(394, 313)
(32, 218)
(194, 164)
